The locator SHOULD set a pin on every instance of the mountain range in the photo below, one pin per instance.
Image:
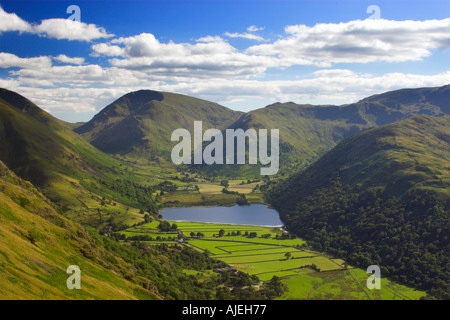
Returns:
(140, 123)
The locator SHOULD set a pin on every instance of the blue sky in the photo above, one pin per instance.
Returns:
(241, 54)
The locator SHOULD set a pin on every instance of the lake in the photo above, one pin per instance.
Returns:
(254, 215)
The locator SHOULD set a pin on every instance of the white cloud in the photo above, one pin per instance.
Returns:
(8, 60)
(104, 49)
(336, 86)
(65, 59)
(210, 56)
(39, 72)
(73, 99)
(70, 30)
(11, 22)
(53, 28)
(209, 39)
(254, 28)
(245, 35)
(359, 41)
(334, 73)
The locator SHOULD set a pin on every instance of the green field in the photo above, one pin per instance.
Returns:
(307, 274)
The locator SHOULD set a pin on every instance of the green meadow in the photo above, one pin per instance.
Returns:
(307, 274)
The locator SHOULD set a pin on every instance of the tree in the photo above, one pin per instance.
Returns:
(288, 255)
(224, 183)
(221, 233)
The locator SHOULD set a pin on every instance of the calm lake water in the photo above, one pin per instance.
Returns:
(254, 215)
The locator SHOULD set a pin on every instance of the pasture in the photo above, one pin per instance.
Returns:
(271, 251)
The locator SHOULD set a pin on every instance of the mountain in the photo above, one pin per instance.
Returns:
(380, 197)
(309, 131)
(39, 244)
(141, 123)
(41, 149)
(86, 184)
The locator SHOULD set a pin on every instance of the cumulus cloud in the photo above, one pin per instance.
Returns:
(53, 28)
(322, 45)
(335, 86)
(359, 41)
(209, 56)
(92, 87)
(11, 22)
(8, 60)
(73, 99)
(105, 49)
(71, 30)
(245, 35)
(65, 59)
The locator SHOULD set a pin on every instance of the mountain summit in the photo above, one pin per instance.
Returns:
(142, 122)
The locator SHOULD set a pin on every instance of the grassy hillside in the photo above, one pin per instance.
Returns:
(41, 149)
(380, 197)
(89, 186)
(141, 123)
(309, 131)
(38, 244)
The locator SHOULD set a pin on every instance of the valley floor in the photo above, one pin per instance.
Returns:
(307, 274)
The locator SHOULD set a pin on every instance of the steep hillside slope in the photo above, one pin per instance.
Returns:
(380, 197)
(38, 245)
(309, 131)
(66, 168)
(141, 123)
(41, 149)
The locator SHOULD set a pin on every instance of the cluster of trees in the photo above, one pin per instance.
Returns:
(136, 193)
(198, 234)
(312, 266)
(165, 226)
(250, 181)
(185, 178)
(238, 233)
(224, 183)
(242, 200)
(145, 237)
(407, 237)
(247, 287)
(159, 268)
(265, 186)
(167, 186)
